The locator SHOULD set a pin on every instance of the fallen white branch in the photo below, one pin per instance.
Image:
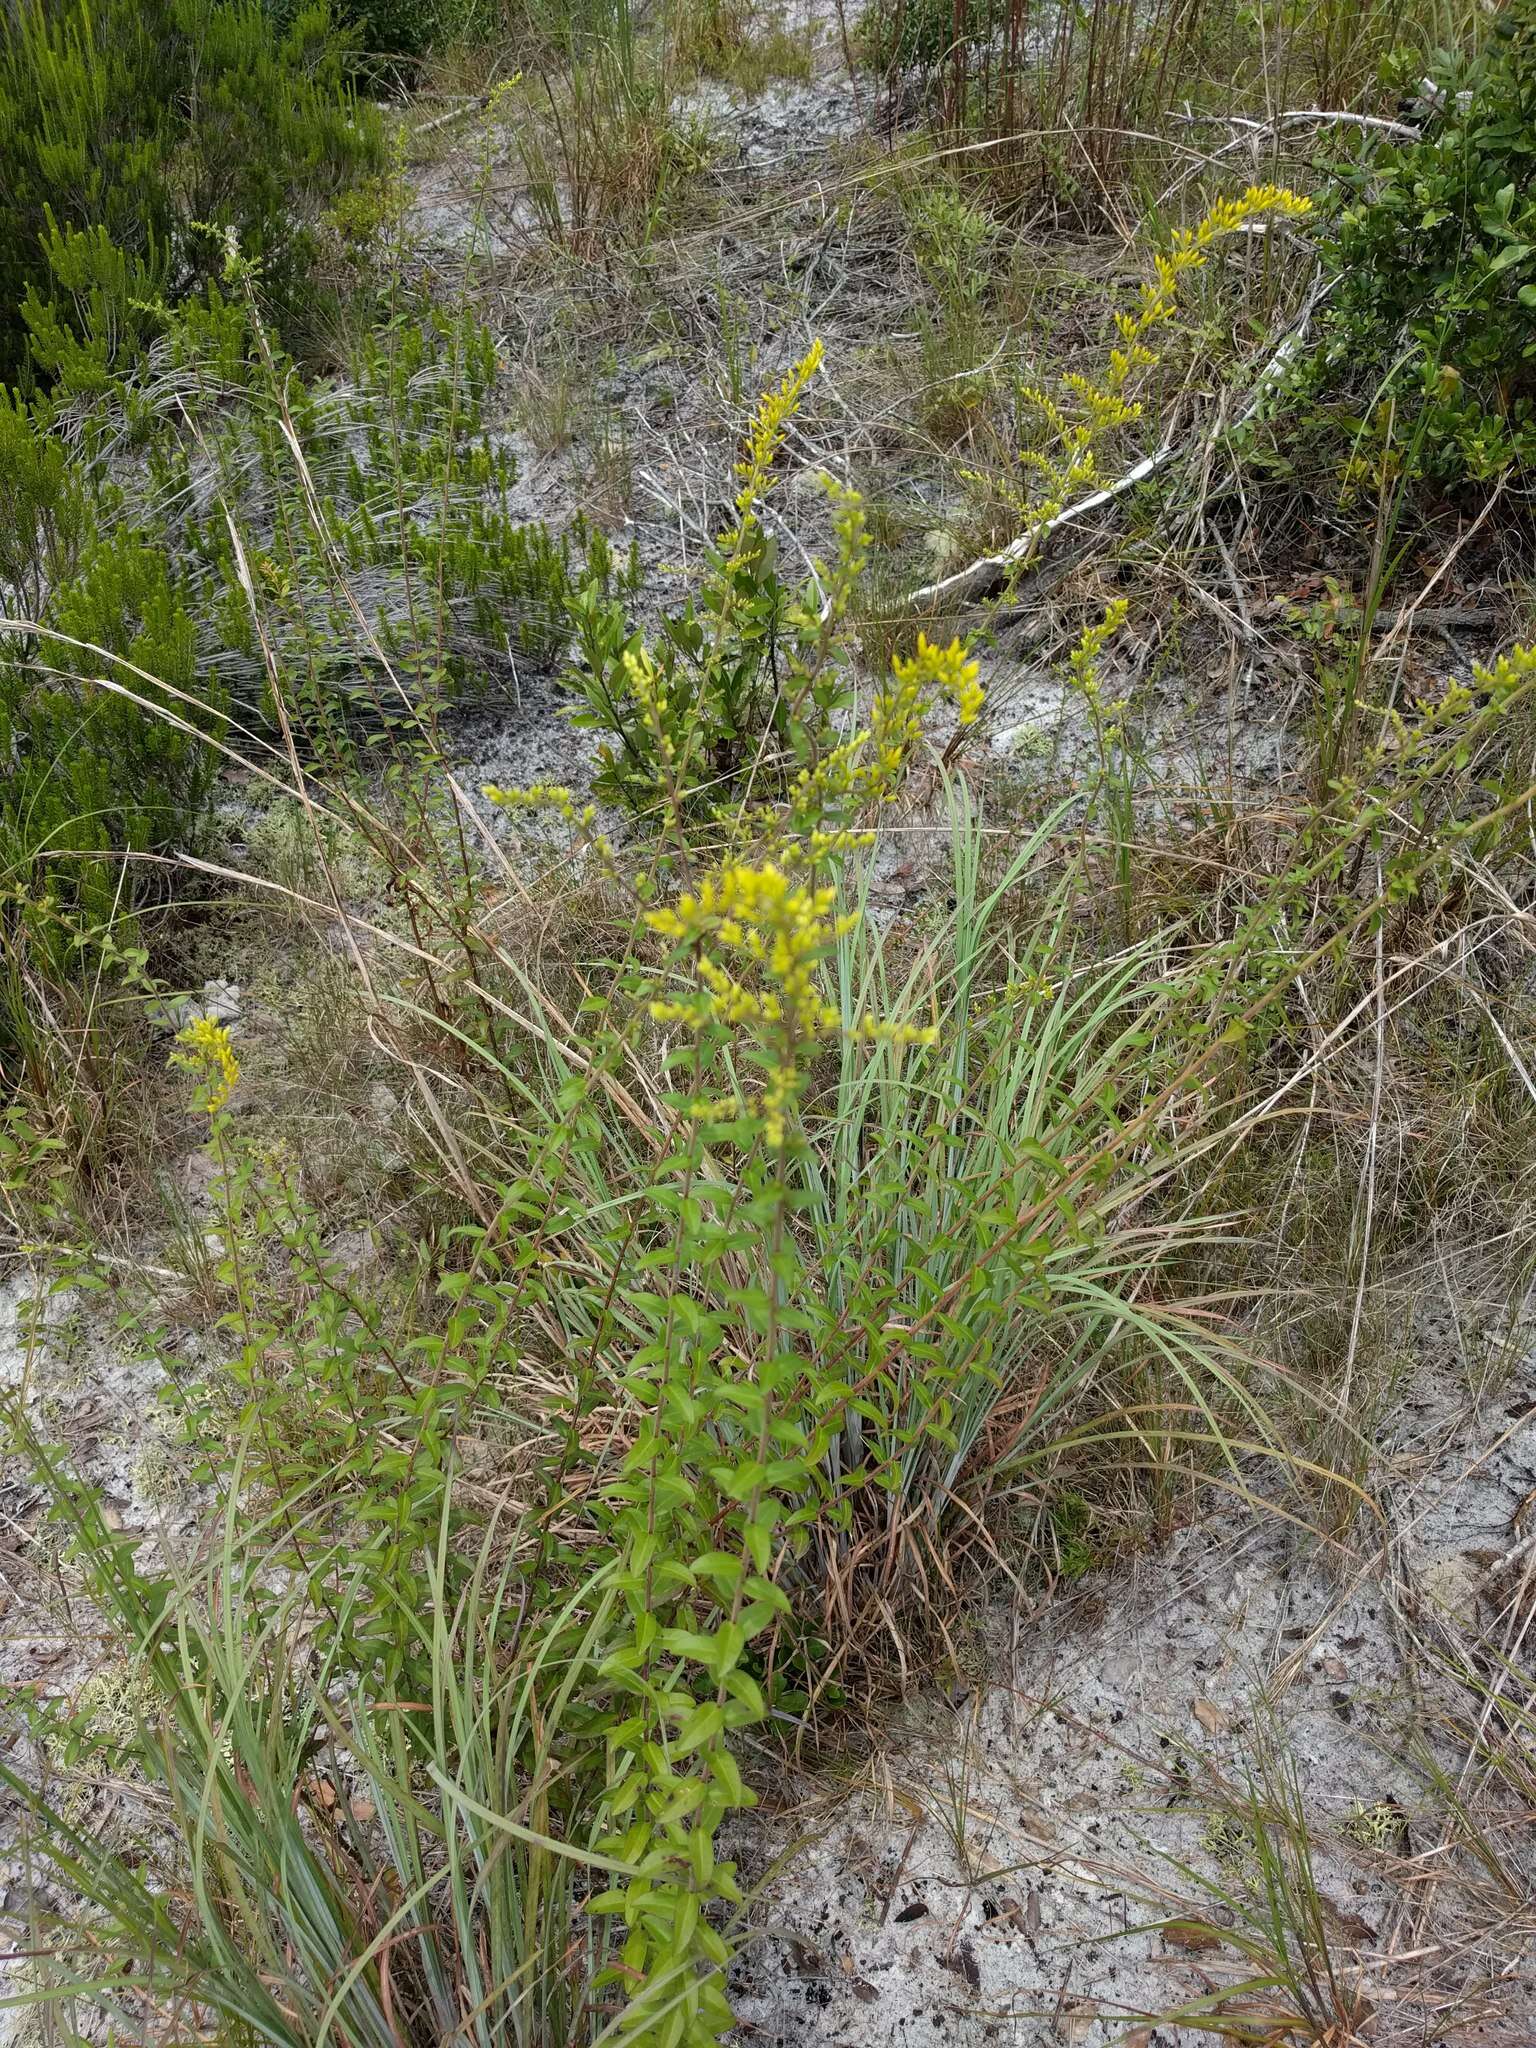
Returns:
(1304, 117)
(1323, 117)
(990, 570)
(471, 105)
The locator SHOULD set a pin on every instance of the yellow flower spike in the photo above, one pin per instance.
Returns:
(765, 434)
(832, 845)
(1507, 672)
(1060, 471)
(781, 928)
(205, 1050)
(1084, 658)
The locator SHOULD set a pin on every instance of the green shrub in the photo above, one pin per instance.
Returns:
(919, 35)
(347, 546)
(155, 125)
(392, 28)
(1429, 336)
(42, 507)
(87, 769)
(374, 514)
(96, 311)
(101, 761)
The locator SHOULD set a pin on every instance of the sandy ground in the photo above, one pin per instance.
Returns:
(983, 1875)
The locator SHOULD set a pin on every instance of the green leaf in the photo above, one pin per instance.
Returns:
(1511, 254)
(722, 1570)
(730, 1641)
(701, 1726)
(686, 1642)
(724, 1769)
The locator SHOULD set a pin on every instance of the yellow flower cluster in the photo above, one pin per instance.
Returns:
(551, 796)
(204, 1049)
(1188, 251)
(1084, 664)
(784, 929)
(947, 670)
(1508, 672)
(783, 925)
(1105, 408)
(1084, 659)
(822, 846)
(532, 796)
(868, 767)
(1070, 466)
(850, 523)
(1491, 689)
(501, 92)
(672, 733)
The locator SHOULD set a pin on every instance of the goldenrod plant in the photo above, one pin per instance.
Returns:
(782, 1389)
(736, 700)
(205, 1050)
(845, 1243)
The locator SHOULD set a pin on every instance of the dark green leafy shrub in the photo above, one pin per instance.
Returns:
(42, 507)
(408, 28)
(394, 27)
(100, 761)
(385, 28)
(153, 125)
(88, 765)
(918, 35)
(1429, 336)
(96, 309)
(374, 513)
